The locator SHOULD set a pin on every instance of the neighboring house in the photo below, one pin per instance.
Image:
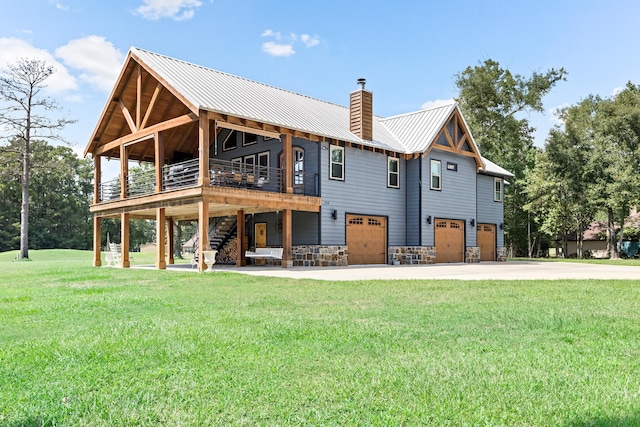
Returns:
(259, 166)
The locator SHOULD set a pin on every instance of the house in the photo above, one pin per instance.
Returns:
(258, 166)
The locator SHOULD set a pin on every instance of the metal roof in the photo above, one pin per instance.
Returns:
(493, 169)
(213, 90)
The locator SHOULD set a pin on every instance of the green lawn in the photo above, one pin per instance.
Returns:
(103, 347)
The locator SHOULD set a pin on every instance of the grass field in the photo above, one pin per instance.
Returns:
(102, 347)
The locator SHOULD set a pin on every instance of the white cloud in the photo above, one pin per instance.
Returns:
(437, 103)
(310, 41)
(286, 48)
(616, 91)
(554, 113)
(178, 10)
(12, 49)
(277, 49)
(97, 59)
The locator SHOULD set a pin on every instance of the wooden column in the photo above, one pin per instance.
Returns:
(287, 151)
(240, 258)
(161, 264)
(203, 233)
(171, 241)
(203, 149)
(97, 178)
(287, 260)
(124, 240)
(159, 157)
(124, 171)
(97, 241)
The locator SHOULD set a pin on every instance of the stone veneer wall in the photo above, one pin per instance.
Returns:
(502, 254)
(412, 254)
(472, 254)
(315, 256)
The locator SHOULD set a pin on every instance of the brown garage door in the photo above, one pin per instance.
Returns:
(487, 242)
(367, 239)
(449, 240)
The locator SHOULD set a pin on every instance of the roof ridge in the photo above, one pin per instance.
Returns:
(453, 103)
(238, 77)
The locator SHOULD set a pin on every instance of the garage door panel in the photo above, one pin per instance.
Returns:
(449, 240)
(487, 242)
(367, 239)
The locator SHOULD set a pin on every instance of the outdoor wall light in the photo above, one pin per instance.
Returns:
(502, 226)
(428, 219)
(472, 222)
(334, 214)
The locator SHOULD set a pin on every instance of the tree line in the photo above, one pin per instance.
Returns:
(588, 169)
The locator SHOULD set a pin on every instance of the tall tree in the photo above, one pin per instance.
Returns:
(494, 102)
(21, 85)
(60, 194)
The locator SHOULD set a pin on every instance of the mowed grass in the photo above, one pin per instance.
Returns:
(103, 347)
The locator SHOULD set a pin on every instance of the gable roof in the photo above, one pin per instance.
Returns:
(199, 88)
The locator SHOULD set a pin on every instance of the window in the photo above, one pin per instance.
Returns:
(249, 163)
(436, 175)
(336, 162)
(298, 166)
(497, 189)
(230, 142)
(236, 163)
(393, 172)
(249, 138)
(263, 165)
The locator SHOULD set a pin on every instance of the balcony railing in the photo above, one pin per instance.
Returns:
(222, 173)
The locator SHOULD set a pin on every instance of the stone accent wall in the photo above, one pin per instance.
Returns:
(502, 254)
(472, 254)
(315, 256)
(412, 254)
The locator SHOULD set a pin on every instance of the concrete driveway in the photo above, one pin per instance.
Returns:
(512, 270)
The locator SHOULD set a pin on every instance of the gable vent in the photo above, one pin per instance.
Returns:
(361, 112)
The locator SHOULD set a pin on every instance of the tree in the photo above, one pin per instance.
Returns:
(60, 195)
(493, 100)
(21, 85)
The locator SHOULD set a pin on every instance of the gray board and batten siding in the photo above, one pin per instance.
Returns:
(363, 191)
(457, 197)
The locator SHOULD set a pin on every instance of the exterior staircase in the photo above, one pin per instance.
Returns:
(221, 230)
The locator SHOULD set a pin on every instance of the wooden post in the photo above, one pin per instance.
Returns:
(203, 149)
(159, 155)
(203, 233)
(97, 174)
(124, 240)
(124, 171)
(97, 241)
(287, 261)
(171, 241)
(240, 258)
(161, 264)
(287, 151)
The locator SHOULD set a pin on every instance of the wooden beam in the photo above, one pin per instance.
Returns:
(241, 128)
(161, 264)
(240, 236)
(203, 149)
(171, 240)
(139, 97)
(152, 104)
(124, 171)
(159, 159)
(175, 122)
(97, 241)
(203, 233)
(288, 163)
(97, 178)
(127, 116)
(287, 239)
(124, 240)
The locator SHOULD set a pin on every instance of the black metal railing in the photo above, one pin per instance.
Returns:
(223, 173)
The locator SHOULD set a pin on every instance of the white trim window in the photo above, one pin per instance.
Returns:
(498, 189)
(393, 172)
(230, 142)
(336, 162)
(263, 165)
(436, 175)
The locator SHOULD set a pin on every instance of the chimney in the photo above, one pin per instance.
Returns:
(361, 112)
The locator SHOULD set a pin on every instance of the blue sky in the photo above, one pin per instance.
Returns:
(409, 51)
